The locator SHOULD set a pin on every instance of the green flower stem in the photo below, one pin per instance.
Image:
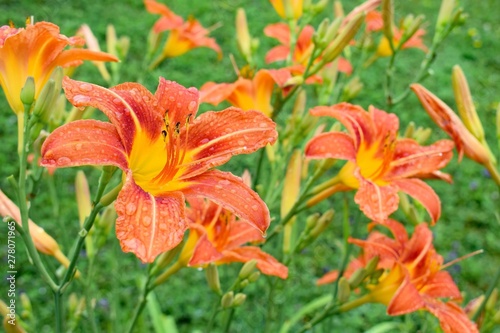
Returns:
(142, 302)
(255, 181)
(167, 274)
(24, 230)
(229, 320)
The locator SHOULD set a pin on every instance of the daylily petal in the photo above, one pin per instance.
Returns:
(377, 202)
(277, 53)
(418, 247)
(265, 262)
(331, 145)
(441, 285)
(451, 317)
(215, 137)
(279, 31)
(411, 159)
(215, 93)
(204, 252)
(168, 21)
(232, 194)
(242, 232)
(328, 278)
(406, 300)
(75, 57)
(147, 225)
(84, 142)
(123, 109)
(180, 102)
(419, 190)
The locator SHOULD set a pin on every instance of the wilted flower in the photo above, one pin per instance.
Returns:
(184, 35)
(166, 154)
(217, 236)
(379, 164)
(412, 277)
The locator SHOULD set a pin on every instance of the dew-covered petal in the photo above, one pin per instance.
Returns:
(266, 263)
(243, 232)
(177, 102)
(130, 107)
(146, 225)
(410, 159)
(231, 193)
(331, 145)
(84, 142)
(214, 137)
(423, 193)
(377, 202)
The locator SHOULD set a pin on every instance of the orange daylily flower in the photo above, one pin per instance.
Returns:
(295, 8)
(303, 48)
(184, 35)
(166, 155)
(245, 93)
(36, 51)
(216, 236)
(378, 163)
(413, 278)
(374, 22)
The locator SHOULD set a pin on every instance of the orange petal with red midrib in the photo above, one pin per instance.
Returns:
(181, 102)
(405, 300)
(214, 137)
(419, 190)
(232, 194)
(377, 202)
(242, 232)
(146, 225)
(84, 142)
(451, 317)
(441, 285)
(266, 263)
(331, 145)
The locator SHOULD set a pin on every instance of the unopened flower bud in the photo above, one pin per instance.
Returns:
(44, 99)
(244, 283)
(445, 14)
(83, 200)
(344, 290)
(28, 91)
(345, 35)
(338, 10)
(247, 269)
(352, 88)
(333, 29)
(254, 276)
(294, 81)
(376, 275)
(323, 222)
(465, 105)
(357, 278)
(372, 265)
(239, 299)
(473, 306)
(212, 275)
(388, 18)
(242, 35)
(411, 27)
(227, 300)
(492, 300)
(154, 40)
(318, 37)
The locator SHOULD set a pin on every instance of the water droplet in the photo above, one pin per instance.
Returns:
(81, 99)
(202, 142)
(241, 142)
(179, 105)
(255, 207)
(86, 87)
(130, 208)
(218, 187)
(171, 98)
(146, 220)
(117, 101)
(163, 226)
(224, 182)
(78, 146)
(263, 125)
(192, 89)
(63, 160)
(192, 106)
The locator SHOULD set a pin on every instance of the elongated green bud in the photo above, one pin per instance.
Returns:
(227, 300)
(239, 299)
(212, 275)
(344, 290)
(28, 91)
(247, 269)
(357, 278)
(372, 265)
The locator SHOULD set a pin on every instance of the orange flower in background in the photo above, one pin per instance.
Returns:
(166, 154)
(36, 51)
(378, 163)
(216, 236)
(245, 93)
(413, 278)
(295, 8)
(303, 48)
(374, 22)
(184, 35)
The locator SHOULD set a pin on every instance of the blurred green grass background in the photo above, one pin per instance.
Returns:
(468, 221)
